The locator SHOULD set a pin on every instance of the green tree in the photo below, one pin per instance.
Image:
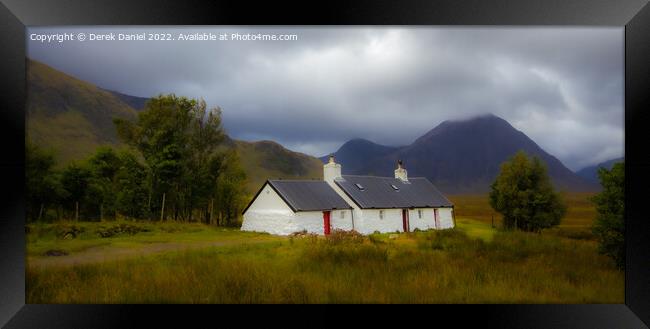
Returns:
(103, 166)
(524, 195)
(609, 226)
(179, 140)
(131, 186)
(42, 182)
(160, 134)
(230, 190)
(75, 180)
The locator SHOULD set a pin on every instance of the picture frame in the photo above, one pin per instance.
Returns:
(633, 16)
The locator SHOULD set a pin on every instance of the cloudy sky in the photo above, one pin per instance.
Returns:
(563, 87)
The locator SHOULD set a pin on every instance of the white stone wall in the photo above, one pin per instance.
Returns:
(338, 222)
(287, 222)
(312, 221)
(269, 213)
(370, 221)
(445, 218)
(392, 221)
(271, 221)
(268, 199)
(425, 223)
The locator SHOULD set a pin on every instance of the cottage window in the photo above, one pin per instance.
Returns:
(342, 214)
(381, 214)
(420, 213)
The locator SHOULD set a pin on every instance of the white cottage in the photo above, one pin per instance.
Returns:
(366, 204)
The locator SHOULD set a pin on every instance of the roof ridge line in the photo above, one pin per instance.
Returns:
(381, 176)
(295, 180)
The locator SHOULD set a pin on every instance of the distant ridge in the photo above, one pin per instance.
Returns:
(355, 152)
(73, 117)
(461, 156)
(590, 173)
(135, 102)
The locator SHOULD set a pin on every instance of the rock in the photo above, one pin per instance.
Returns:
(393, 236)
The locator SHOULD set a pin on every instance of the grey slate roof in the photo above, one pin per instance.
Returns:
(377, 192)
(307, 195)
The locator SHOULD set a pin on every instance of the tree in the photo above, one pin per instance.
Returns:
(524, 195)
(230, 190)
(103, 166)
(131, 186)
(75, 180)
(179, 140)
(42, 183)
(609, 226)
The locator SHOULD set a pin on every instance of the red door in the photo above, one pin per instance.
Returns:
(326, 222)
(405, 219)
(435, 218)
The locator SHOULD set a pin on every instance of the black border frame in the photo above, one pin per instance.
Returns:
(634, 15)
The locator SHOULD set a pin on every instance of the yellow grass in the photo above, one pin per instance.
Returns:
(580, 211)
(473, 263)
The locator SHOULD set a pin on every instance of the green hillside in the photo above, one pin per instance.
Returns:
(74, 117)
(68, 115)
(269, 160)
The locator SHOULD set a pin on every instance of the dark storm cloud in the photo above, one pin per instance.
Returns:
(563, 87)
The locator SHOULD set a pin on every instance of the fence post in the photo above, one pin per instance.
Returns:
(162, 210)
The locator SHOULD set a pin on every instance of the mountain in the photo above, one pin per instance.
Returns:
(355, 152)
(269, 160)
(74, 117)
(464, 156)
(68, 115)
(135, 102)
(590, 173)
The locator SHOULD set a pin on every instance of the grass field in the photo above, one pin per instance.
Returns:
(193, 263)
(580, 211)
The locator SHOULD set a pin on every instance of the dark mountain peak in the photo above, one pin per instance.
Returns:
(481, 126)
(459, 156)
(354, 154)
(358, 140)
(488, 120)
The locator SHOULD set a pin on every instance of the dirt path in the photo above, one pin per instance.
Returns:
(110, 253)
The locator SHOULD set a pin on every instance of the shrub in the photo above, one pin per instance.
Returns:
(342, 236)
(129, 229)
(345, 253)
(375, 239)
(342, 248)
(574, 234)
(444, 240)
(69, 231)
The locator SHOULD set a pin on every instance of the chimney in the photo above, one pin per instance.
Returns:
(400, 172)
(331, 170)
